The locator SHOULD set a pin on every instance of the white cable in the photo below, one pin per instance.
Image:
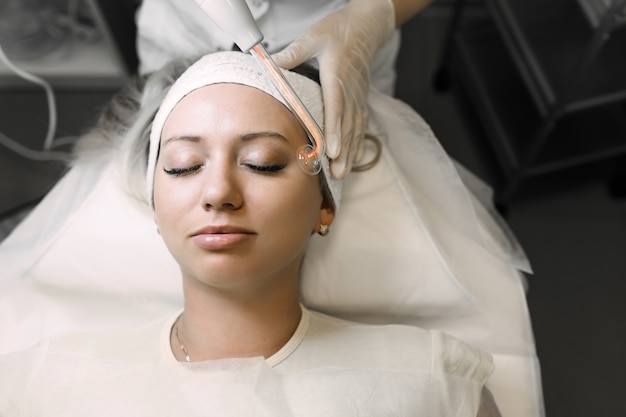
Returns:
(31, 154)
(46, 154)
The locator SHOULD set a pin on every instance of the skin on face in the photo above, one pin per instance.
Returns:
(231, 203)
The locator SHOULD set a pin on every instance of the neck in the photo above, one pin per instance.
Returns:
(220, 325)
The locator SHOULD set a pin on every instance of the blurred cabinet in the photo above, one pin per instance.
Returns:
(103, 60)
(548, 80)
(84, 73)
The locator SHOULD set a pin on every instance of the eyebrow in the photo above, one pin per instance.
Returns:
(265, 133)
(244, 138)
(193, 139)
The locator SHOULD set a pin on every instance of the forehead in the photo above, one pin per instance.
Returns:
(228, 106)
(229, 100)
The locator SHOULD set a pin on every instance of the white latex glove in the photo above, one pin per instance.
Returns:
(344, 44)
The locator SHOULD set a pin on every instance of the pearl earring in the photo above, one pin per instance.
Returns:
(324, 229)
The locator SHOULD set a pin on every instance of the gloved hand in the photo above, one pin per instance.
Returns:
(344, 44)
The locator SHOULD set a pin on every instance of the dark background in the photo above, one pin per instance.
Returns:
(572, 228)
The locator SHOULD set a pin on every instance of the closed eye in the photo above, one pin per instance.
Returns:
(178, 172)
(266, 168)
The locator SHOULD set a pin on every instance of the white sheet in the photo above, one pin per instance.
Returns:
(411, 244)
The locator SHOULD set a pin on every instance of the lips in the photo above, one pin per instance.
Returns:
(221, 237)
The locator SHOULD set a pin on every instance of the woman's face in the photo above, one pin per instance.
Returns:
(231, 202)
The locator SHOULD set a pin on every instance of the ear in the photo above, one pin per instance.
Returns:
(327, 215)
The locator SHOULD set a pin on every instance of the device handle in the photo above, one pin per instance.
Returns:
(234, 18)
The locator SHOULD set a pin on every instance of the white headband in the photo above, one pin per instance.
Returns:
(238, 68)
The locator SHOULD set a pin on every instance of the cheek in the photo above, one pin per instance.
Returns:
(161, 206)
(298, 205)
(170, 201)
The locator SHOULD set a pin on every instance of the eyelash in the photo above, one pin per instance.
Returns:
(265, 168)
(178, 172)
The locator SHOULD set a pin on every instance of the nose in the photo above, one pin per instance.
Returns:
(221, 188)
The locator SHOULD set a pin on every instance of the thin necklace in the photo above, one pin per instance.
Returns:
(180, 343)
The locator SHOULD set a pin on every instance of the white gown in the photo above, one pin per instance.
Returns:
(169, 29)
(329, 367)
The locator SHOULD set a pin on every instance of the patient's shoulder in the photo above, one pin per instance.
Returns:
(400, 347)
(452, 356)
